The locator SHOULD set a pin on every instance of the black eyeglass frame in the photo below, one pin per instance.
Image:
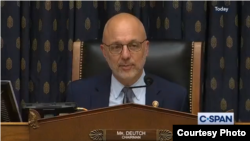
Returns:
(140, 43)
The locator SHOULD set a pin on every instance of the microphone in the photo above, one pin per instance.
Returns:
(148, 81)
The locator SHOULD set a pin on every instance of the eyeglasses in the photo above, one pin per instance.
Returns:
(117, 48)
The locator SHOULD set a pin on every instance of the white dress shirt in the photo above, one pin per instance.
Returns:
(116, 94)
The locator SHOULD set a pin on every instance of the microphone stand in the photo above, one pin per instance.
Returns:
(147, 80)
(138, 87)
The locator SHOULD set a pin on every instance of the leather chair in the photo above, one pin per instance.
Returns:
(175, 60)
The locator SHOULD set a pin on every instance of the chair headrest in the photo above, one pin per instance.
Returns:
(169, 59)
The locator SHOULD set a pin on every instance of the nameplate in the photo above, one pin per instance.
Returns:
(135, 135)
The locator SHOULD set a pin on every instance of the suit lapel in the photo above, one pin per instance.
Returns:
(100, 97)
(153, 93)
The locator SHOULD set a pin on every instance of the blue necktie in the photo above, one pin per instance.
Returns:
(128, 95)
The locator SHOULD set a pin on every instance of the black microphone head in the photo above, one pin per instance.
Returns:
(148, 80)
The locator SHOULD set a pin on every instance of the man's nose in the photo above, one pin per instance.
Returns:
(125, 52)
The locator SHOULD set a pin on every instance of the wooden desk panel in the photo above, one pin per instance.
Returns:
(14, 131)
(242, 123)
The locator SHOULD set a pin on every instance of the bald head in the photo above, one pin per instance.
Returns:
(123, 23)
(126, 62)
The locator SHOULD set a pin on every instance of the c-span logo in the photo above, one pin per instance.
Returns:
(216, 118)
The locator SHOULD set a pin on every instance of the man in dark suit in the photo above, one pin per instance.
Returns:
(125, 48)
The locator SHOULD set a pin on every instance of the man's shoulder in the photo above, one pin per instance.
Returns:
(165, 84)
(81, 90)
(90, 81)
(174, 95)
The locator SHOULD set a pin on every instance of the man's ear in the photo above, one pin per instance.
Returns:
(103, 50)
(147, 47)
